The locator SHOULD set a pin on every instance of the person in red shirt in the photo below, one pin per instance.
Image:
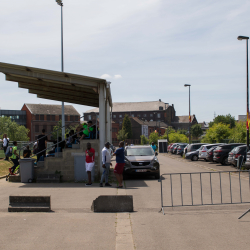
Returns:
(89, 162)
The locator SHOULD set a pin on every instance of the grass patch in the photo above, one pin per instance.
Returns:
(4, 167)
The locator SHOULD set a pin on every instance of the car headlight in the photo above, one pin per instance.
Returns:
(155, 160)
(127, 163)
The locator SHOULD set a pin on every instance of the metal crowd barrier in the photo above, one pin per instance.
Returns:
(203, 193)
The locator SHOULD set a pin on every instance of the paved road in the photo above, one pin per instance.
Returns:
(73, 226)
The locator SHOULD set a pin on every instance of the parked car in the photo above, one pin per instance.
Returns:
(141, 160)
(169, 146)
(194, 146)
(172, 147)
(231, 155)
(185, 149)
(193, 155)
(180, 149)
(210, 154)
(176, 147)
(221, 152)
(239, 151)
(204, 149)
(247, 163)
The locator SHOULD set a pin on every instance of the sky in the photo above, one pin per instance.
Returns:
(147, 49)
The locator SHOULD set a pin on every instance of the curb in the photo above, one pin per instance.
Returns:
(2, 177)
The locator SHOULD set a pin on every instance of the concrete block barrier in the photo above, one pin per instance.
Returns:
(113, 203)
(29, 204)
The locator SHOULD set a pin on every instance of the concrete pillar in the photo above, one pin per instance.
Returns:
(108, 125)
(102, 127)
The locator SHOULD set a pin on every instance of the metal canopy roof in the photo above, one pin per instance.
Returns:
(56, 85)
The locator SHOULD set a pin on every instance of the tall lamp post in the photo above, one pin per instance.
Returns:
(60, 3)
(247, 125)
(189, 117)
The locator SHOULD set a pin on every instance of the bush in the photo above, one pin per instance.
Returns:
(144, 140)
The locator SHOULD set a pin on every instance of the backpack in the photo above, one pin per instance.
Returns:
(9, 151)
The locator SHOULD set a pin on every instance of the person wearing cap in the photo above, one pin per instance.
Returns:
(87, 129)
(106, 163)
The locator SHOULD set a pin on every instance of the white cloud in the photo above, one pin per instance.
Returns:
(105, 76)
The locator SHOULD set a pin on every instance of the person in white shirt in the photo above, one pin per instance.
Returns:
(5, 145)
(106, 163)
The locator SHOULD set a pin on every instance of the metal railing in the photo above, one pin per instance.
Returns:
(199, 188)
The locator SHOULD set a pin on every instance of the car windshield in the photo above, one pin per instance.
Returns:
(139, 152)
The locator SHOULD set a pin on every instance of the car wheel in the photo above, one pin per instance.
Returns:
(224, 161)
(205, 159)
(157, 176)
(195, 158)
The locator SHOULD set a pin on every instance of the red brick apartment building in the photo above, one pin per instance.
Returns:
(46, 116)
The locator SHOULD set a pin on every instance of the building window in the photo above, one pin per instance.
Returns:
(133, 115)
(53, 117)
(60, 117)
(151, 115)
(145, 115)
(48, 117)
(41, 117)
(76, 118)
(37, 117)
(159, 115)
(52, 128)
(120, 116)
(114, 129)
(89, 117)
(138, 115)
(36, 128)
(150, 130)
(114, 116)
(66, 118)
(71, 118)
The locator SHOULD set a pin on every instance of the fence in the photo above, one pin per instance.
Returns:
(204, 188)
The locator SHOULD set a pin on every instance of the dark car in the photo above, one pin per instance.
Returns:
(141, 160)
(221, 152)
(210, 153)
(239, 151)
(193, 155)
(194, 146)
(180, 149)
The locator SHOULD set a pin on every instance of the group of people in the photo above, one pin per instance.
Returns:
(106, 163)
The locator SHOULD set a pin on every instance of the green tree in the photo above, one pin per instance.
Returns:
(196, 130)
(144, 140)
(14, 131)
(217, 133)
(225, 119)
(154, 137)
(182, 131)
(122, 136)
(127, 127)
(239, 133)
(176, 137)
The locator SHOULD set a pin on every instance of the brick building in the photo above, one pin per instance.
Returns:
(155, 112)
(46, 116)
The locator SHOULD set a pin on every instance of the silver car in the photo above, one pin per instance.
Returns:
(141, 160)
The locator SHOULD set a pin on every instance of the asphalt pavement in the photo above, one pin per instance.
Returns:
(72, 225)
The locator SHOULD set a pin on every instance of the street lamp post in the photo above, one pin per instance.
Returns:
(60, 3)
(189, 117)
(246, 38)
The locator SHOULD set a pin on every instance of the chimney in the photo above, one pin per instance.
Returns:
(173, 105)
(159, 100)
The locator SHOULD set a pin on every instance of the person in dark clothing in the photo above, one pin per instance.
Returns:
(42, 144)
(27, 152)
(5, 146)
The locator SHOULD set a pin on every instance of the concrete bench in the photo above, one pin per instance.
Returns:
(113, 203)
(29, 204)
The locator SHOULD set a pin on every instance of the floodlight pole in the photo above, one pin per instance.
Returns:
(189, 116)
(59, 2)
(247, 95)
